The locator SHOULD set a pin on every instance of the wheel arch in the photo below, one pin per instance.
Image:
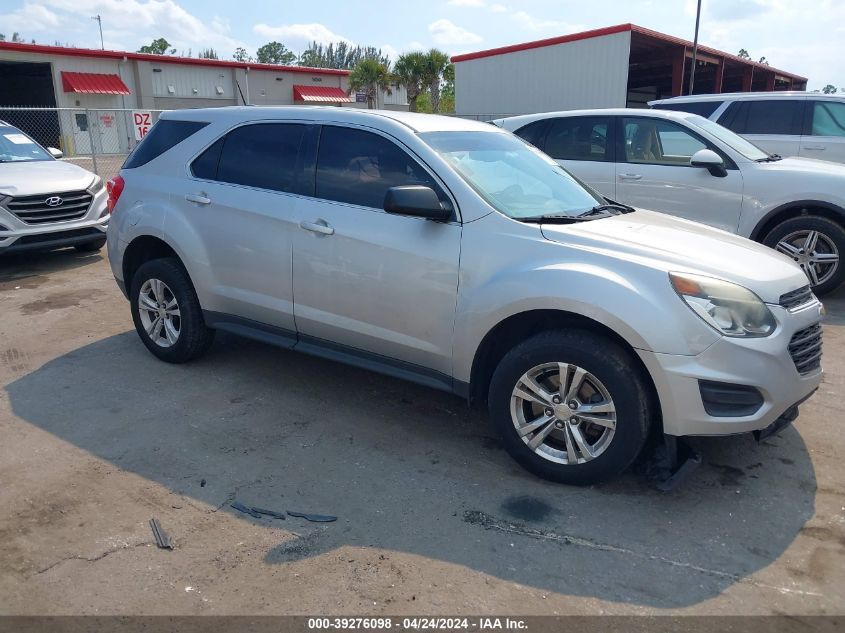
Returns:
(794, 209)
(142, 249)
(520, 326)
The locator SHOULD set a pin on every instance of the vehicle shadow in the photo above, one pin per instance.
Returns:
(30, 269)
(410, 469)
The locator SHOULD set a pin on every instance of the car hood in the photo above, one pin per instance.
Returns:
(810, 166)
(671, 244)
(44, 176)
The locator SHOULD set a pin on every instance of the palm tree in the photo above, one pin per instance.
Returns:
(436, 63)
(410, 71)
(370, 76)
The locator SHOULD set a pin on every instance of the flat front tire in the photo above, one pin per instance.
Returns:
(167, 313)
(571, 406)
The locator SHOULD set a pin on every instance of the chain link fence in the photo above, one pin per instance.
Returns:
(96, 139)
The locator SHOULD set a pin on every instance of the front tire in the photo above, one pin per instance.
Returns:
(167, 313)
(814, 243)
(571, 406)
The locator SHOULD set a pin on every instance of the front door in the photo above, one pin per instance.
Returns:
(653, 171)
(365, 280)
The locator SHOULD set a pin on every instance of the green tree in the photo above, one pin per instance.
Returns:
(241, 55)
(275, 53)
(763, 61)
(829, 89)
(208, 53)
(743, 54)
(371, 76)
(424, 102)
(2, 37)
(410, 72)
(339, 55)
(157, 47)
(436, 63)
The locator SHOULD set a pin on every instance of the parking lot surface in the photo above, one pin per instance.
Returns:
(433, 516)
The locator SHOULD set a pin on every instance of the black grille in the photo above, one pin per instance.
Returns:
(805, 347)
(35, 210)
(46, 238)
(796, 297)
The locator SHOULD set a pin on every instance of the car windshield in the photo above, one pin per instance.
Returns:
(732, 140)
(513, 177)
(16, 146)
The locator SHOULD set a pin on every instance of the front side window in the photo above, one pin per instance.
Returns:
(578, 138)
(262, 155)
(732, 140)
(828, 118)
(358, 167)
(15, 146)
(658, 142)
(513, 177)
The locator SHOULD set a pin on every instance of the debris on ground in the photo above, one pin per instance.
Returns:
(237, 505)
(269, 513)
(202, 483)
(161, 537)
(316, 518)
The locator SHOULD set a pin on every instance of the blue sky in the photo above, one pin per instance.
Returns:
(810, 43)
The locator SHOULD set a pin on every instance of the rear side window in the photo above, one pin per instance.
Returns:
(358, 167)
(767, 116)
(701, 108)
(164, 135)
(533, 133)
(828, 118)
(578, 138)
(262, 155)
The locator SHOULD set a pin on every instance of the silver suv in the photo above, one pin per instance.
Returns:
(455, 255)
(46, 203)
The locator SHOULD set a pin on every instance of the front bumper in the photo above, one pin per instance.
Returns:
(19, 236)
(762, 363)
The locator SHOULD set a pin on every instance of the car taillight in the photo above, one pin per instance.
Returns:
(114, 187)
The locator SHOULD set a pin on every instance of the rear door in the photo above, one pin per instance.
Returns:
(653, 172)
(775, 125)
(826, 138)
(241, 203)
(585, 147)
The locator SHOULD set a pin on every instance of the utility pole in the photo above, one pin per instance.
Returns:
(100, 22)
(694, 48)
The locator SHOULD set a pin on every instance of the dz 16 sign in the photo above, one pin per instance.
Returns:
(142, 121)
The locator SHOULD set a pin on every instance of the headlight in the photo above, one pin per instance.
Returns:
(98, 185)
(726, 307)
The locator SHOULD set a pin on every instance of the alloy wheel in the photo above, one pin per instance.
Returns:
(159, 311)
(563, 413)
(814, 251)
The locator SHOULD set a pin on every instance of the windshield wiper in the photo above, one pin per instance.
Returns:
(606, 209)
(771, 158)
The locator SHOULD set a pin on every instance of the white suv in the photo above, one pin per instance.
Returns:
(450, 253)
(691, 167)
(805, 124)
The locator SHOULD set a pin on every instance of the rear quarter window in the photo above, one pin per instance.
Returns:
(701, 108)
(163, 136)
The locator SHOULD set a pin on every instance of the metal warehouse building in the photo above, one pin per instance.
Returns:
(90, 94)
(618, 66)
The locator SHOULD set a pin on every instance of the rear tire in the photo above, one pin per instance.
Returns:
(167, 313)
(825, 239)
(612, 392)
(91, 247)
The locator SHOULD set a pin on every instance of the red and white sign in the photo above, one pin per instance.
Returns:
(142, 121)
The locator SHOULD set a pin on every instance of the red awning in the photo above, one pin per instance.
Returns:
(321, 94)
(93, 83)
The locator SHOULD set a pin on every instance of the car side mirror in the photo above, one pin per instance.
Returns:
(416, 201)
(55, 153)
(711, 161)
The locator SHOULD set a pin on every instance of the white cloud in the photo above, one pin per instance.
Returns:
(299, 36)
(532, 23)
(445, 32)
(475, 4)
(30, 17)
(499, 8)
(390, 51)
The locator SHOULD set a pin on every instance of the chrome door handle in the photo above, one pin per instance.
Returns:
(819, 147)
(630, 176)
(198, 198)
(320, 226)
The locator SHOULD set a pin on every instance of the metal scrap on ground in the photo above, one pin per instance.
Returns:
(317, 518)
(161, 537)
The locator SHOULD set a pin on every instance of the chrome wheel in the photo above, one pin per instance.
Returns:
(159, 311)
(563, 413)
(814, 251)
